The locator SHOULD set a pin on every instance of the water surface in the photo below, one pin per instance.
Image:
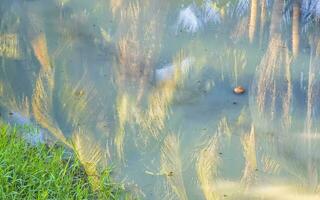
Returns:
(147, 87)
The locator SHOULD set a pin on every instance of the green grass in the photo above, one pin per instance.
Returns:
(40, 172)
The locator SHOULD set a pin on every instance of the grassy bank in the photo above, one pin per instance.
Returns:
(40, 172)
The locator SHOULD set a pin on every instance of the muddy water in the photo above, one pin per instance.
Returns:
(147, 87)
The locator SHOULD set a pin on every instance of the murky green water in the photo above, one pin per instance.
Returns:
(147, 87)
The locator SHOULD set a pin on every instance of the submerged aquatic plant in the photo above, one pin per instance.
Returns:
(207, 168)
(171, 165)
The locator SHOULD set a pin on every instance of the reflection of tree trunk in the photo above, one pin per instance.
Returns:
(262, 18)
(275, 26)
(253, 19)
(273, 86)
(115, 6)
(295, 27)
(312, 108)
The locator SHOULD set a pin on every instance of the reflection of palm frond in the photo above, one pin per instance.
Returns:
(242, 7)
(207, 167)
(240, 29)
(79, 113)
(157, 112)
(75, 103)
(171, 165)
(42, 100)
(11, 102)
(160, 100)
(39, 45)
(42, 106)
(270, 165)
(224, 129)
(67, 43)
(9, 46)
(122, 111)
(89, 154)
(249, 150)
(244, 118)
(140, 30)
(1, 89)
